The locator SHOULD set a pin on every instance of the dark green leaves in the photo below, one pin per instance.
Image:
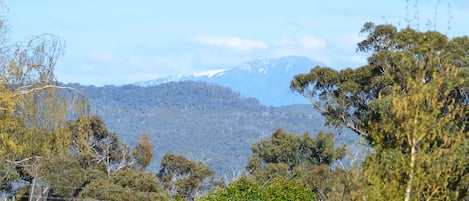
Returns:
(184, 178)
(410, 103)
(286, 155)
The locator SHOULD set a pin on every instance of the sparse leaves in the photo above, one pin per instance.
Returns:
(143, 152)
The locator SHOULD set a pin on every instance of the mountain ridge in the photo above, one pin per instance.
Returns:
(267, 80)
(203, 121)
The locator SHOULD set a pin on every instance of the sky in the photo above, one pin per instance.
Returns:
(116, 42)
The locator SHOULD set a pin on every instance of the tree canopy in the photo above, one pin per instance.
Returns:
(184, 179)
(245, 188)
(287, 154)
(94, 145)
(33, 107)
(410, 103)
(143, 152)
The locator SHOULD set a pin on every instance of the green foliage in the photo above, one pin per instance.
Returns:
(286, 155)
(287, 190)
(8, 175)
(125, 185)
(241, 189)
(300, 158)
(173, 121)
(64, 174)
(96, 169)
(330, 184)
(349, 97)
(95, 146)
(422, 131)
(98, 166)
(38, 143)
(410, 104)
(248, 189)
(143, 152)
(33, 108)
(184, 178)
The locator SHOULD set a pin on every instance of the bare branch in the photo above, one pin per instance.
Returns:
(23, 160)
(24, 90)
(353, 127)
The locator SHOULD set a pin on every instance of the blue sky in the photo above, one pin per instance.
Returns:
(123, 41)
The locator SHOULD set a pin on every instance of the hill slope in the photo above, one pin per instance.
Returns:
(202, 121)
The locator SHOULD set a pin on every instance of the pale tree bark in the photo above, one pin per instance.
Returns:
(113, 165)
(413, 156)
(33, 166)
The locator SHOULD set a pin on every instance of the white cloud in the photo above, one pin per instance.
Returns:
(303, 45)
(236, 43)
(337, 51)
(304, 42)
(311, 42)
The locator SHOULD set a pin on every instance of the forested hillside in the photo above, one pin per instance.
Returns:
(203, 121)
(190, 141)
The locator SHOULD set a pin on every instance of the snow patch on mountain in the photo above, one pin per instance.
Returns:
(267, 80)
(245, 67)
(262, 70)
(210, 73)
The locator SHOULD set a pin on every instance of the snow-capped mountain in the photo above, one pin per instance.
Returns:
(267, 80)
(176, 78)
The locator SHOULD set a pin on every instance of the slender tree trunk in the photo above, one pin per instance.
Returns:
(31, 193)
(413, 153)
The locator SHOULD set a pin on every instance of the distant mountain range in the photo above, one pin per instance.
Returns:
(212, 116)
(267, 80)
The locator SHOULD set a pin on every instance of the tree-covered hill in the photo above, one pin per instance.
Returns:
(202, 121)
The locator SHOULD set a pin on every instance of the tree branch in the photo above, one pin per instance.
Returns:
(24, 90)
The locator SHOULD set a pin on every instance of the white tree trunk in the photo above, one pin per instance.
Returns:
(413, 153)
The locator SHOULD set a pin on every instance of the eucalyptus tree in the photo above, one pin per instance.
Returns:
(143, 152)
(287, 157)
(410, 103)
(184, 179)
(33, 106)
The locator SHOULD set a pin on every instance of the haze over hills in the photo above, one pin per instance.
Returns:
(267, 80)
(203, 121)
(213, 116)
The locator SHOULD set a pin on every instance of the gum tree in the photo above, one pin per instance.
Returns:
(410, 104)
(33, 106)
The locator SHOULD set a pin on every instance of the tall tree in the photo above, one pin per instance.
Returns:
(33, 107)
(410, 102)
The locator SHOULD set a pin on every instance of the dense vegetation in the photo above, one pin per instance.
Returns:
(409, 103)
(204, 122)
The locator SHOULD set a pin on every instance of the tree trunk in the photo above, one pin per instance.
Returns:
(413, 153)
(31, 193)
